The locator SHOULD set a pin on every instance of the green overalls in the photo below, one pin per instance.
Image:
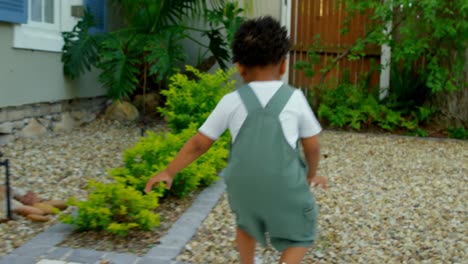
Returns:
(266, 178)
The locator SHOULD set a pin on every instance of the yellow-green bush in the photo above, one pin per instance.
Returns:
(114, 208)
(152, 154)
(121, 206)
(191, 101)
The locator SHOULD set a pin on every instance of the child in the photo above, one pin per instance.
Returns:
(267, 182)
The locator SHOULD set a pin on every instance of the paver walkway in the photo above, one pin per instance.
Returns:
(42, 249)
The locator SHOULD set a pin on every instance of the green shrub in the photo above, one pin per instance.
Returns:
(121, 206)
(457, 132)
(114, 208)
(152, 154)
(349, 105)
(191, 101)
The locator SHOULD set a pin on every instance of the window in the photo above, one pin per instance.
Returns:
(44, 25)
(42, 21)
(42, 11)
(48, 18)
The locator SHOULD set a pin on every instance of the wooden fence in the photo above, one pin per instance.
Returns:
(325, 18)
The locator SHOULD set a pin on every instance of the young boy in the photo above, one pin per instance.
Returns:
(268, 185)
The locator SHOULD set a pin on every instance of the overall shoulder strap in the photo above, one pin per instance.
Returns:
(279, 99)
(249, 98)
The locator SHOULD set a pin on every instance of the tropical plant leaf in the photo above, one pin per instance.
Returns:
(218, 47)
(151, 15)
(165, 52)
(229, 16)
(120, 65)
(80, 51)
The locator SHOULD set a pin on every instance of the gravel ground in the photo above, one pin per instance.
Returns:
(59, 165)
(390, 200)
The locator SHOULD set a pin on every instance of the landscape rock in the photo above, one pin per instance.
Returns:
(122, 111)
(37, 218)
(148, 103)
(45, 122)
(29, 198)
(83, 117)
(61, 205)
(46, 208)
(67, 123)
(6, 138)
(27, 210)
(7, 128)
(33, 129)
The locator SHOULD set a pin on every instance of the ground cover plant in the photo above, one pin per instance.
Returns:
(121, 206)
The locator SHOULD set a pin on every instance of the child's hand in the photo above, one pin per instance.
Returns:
(318, 180)
(163, 176)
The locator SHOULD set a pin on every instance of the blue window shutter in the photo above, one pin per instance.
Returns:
(99, 10)
(15, 11)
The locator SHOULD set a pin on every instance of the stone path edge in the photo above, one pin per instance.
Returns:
(43, 246)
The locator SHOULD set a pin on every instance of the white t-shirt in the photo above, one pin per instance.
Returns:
(297, 118)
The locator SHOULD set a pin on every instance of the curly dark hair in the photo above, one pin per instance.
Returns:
(260, 42)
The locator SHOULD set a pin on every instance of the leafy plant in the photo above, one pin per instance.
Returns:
(408, 89)
(457, 132)
(428, 43)
(145, 53)
(152, 154)
(120, 206)
(428, 35)
(418, 132)
(349, 105)
(114, 208)
(80, 50)
(191, 101)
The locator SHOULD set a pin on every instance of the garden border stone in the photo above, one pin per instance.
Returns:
(43, 246)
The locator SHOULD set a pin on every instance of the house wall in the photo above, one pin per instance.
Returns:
(34, 88)
(29, 76)
(260, 8)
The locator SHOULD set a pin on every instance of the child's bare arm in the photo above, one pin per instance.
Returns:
(311, 148)
(192, 150)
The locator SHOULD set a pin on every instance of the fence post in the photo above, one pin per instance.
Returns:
(6, 164)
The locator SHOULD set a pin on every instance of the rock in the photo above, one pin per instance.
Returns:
(45, 122)
(33, 129)
(67, 123)
(83, 116)
(27, 210)
(17, 191)
(15, 204)
(7, 128)
(5, 139)
(61, 205)
(46, 208)
(148, 103)
(29, 198)
(37, 218)
(122, 111)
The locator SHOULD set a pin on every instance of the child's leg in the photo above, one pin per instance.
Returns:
(293, 255)
(246, 247)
